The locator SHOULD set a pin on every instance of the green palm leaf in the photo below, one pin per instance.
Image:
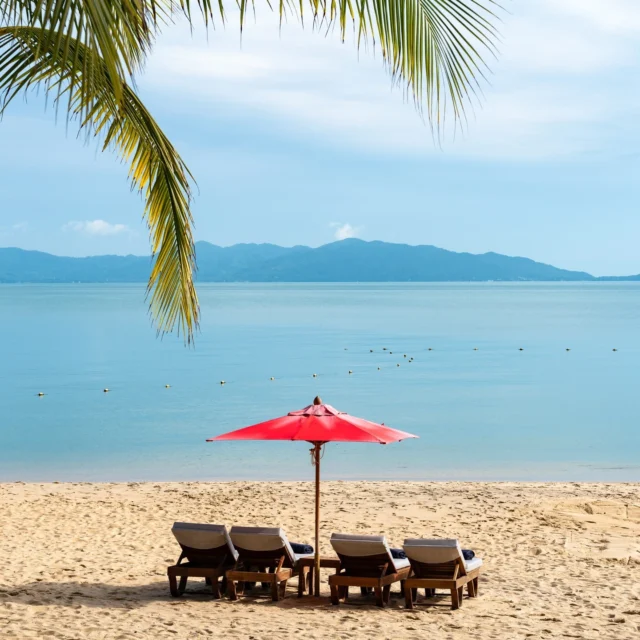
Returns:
(28, 56)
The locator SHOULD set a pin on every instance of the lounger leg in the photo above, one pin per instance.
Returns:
(379, 597)
(283, 588)
(183, 584)
(386, 593)
(223, 586)
(215, 588)
(231, 590)
(475, 586)
(455, 603)
(471, 588)
(335, 599)
(275, 592)
(408, 597)
(173, 585)
(343, 593)
(460, 594)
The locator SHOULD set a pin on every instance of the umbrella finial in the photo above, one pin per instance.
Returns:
(317, 400)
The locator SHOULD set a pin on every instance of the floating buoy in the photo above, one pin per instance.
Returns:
(475, 348)
(105, 390)
(315, 375)
(223, 382)
(398, 364)
(271, 378)
(378, 368)
(429, 349)
(614, 349)
(370, 350)
(520, 349)
(390, 353)
(384, 348)
(567, 349)
(405, 355)
(41, 394)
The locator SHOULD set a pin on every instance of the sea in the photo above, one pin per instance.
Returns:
(500, 381)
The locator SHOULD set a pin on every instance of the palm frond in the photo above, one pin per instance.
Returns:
(31, 55)
(121, 32)
(436, 48)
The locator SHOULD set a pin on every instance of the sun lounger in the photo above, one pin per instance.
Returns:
(439, 564)
(366, 562)
(265, 556)
(209, 553)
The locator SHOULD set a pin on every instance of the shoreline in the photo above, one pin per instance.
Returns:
(89, 559)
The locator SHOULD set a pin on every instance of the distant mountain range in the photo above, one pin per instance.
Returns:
(345, 261)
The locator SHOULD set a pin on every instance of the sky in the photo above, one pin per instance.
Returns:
(297, 138)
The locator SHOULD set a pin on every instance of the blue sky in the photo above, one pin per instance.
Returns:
(296, 138)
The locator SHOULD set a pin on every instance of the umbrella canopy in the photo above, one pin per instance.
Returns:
(318, 424)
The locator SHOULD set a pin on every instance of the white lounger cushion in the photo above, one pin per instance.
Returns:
(438, 551)
(262, 539)
(358, 545)
(473, 564)
(203, 536)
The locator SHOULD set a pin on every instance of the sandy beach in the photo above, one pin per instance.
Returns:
(89, 560)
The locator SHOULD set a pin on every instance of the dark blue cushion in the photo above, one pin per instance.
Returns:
(301, 548)
(398, 554)
(467, 554)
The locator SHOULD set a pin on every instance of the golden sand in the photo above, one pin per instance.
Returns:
(88, 560)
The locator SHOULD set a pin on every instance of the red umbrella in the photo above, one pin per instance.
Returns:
(318, 424)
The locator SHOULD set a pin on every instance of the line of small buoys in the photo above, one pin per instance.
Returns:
(41, 394)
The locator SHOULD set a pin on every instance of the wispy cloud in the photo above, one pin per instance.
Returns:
(344, 230)
(539, 105)
(95, 227)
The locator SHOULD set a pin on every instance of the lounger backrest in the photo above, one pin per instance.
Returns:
(204, 541)
(267, 542)
(357, 550)
(437, 553)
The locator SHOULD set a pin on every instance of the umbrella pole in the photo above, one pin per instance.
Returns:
(316, 573)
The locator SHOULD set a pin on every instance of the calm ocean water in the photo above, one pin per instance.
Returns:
(543, 413)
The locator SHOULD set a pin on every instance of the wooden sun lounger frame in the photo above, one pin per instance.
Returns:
(200, 563)
(445, 575)
(367, 572)
(271, 571)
